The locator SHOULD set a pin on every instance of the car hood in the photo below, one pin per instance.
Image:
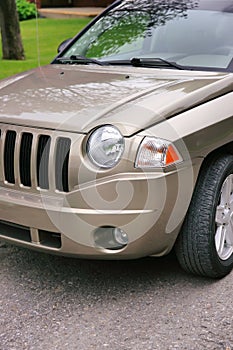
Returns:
(79, 98)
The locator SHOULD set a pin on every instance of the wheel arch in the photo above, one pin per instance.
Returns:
(206, 160)
(224, 149)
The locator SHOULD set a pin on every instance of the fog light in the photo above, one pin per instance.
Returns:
(112, 238)
(120, 236)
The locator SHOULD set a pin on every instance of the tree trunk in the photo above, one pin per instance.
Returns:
(12, 47)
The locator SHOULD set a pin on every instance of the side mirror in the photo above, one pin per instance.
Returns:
(63, 45)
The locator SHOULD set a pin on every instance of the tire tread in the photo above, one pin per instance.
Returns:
(193, 247)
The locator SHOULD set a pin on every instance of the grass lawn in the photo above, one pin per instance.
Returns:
(51, 32)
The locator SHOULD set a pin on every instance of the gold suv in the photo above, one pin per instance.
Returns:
(122, 147)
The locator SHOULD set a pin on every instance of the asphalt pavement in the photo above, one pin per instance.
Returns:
(50, 302)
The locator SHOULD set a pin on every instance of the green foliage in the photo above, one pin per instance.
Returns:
(26, 10)
(41, 44)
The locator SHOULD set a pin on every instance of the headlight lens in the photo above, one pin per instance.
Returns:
(156, 153)
(105, 146)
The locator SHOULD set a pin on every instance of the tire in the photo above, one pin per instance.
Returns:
(205, 244)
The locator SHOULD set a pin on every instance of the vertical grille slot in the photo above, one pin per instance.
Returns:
(25, 159)
(9, 151)
(43, 161)
(62, 164)
(32, 159)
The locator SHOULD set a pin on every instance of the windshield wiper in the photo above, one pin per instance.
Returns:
(79, 59)
(153, 62)
(136, 62)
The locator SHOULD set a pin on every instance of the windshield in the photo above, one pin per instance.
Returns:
(190, 34)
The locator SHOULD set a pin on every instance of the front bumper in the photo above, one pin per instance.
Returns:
(149, 207)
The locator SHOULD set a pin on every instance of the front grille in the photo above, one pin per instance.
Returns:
(42, 163)
(9, 151)
(61, 165)
(35, 160)
(25, 159)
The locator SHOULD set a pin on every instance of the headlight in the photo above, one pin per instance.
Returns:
(105, 146)
(156, 153)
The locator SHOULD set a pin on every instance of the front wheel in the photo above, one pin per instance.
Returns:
(205, 243)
